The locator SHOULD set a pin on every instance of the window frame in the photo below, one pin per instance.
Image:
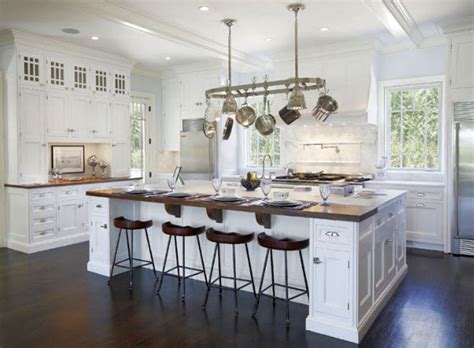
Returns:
(385, 122)
(246, 156)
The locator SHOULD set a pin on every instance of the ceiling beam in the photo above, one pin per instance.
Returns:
(396, 18)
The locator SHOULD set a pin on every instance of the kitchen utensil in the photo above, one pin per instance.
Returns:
(325, 191)
(245, 116)
(289, 116)
(265, 124)
(209, 128)
(326, 106)
(227, 128)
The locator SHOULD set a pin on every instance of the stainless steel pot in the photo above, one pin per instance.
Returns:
(245, 116)
(265, 124)
(209, 129)
(229, 123)
(324, 108)
(289, 116)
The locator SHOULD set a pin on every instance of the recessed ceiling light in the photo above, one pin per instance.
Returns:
(72, 31)
(95, 38)
(203, 8)
(268, 39)
(324, 29)
(168, 58)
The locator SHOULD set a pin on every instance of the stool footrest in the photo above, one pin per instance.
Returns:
(145, 263)
(303, 291)
(198, 271)
(247, 283)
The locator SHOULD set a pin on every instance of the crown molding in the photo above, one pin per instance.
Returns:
(132, 20)
(15, 37)
(457, 25)
(141, 70)
(435, 41)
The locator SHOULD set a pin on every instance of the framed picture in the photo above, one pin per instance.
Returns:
(68, 158)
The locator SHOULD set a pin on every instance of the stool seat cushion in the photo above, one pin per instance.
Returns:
(228, 237)
(184, 231)
(282, 243)
(126, 224)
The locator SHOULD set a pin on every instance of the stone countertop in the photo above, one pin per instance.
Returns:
(349, 208)
(67, 182)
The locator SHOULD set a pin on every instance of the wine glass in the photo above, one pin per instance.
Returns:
(216, 184)
(171, 183)
(266, 186)
(325, 191)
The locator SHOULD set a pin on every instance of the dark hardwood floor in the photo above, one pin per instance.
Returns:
(48, 299)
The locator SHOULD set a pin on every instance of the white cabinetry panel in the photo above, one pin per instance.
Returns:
(425, 221)
(68, 217)
(100, 118)
(31, 69)
(171, 121)
(57, 110)
(462, 61)
(80, 109)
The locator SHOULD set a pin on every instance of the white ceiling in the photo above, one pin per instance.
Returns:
(147, 31)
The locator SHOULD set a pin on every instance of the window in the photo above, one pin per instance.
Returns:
(258, 145)
(414, 126)
(137, 138)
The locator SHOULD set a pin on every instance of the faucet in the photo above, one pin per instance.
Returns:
(263, 164)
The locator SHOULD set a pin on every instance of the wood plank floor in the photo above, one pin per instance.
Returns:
(48, 299)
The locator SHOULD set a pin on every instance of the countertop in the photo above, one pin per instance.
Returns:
(67, 182)
(341, 208)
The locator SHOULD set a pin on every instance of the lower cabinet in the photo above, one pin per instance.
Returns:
(72, 216)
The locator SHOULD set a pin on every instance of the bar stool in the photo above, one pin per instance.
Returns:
(232, 238)
(184, 231)
(284, 244)
(129, 225)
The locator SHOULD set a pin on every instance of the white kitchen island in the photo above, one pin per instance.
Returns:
(356, 258)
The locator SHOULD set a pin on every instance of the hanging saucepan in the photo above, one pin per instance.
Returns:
(209, 128)
(245, 116)
(326, 106)
(265, 124)
(289, 116)
(227, 128)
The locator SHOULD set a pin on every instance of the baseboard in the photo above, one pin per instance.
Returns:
(47, 245)
(426, 246)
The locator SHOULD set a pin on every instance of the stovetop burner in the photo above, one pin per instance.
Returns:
(322, 177)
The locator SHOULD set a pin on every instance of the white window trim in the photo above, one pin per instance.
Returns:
(384, 135)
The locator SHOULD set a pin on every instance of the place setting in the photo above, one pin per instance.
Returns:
(227, 194)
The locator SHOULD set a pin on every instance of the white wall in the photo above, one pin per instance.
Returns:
(2, 173)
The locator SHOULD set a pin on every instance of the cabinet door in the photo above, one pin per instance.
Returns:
(56, 73)
(424, 221)
(389, 252)
(191, 87)
(99, 236)
(120, 165)
(332, 282)
(101, 81)
(120, 121)
(83, 215)
(401, 240)
(121, 84)
(31, 69)
(366, 268)
(68, 217)
(100, 118)
(32, 161)
(78, 117)
(462, 61)
(171, 121)
(57, 111)
(380, 235)
(80, 78)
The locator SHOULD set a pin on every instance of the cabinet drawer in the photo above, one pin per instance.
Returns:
(43, 208)
(333, 234)
(44, 233)
(69, 192)
(427, 195)
(100, 206)
(42, 221)
(43, 195)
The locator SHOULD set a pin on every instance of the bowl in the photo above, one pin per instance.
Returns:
(250, 185)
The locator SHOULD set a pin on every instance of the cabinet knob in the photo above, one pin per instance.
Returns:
(317, 261)
(98, 206)
(387, 241)
(332, 234)
(420, 194)
(420, 205)
(103, 226)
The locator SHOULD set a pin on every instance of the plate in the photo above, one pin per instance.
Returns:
(227, 198)
(178, 194)
(284, 204)
(137, 192)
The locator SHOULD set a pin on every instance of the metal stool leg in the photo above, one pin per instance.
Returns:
(286, 290)
(210, 278)
(236, 311)
(273, 275)
(304, 273)
(219, 264)
(151, 254)
(130, 286)
(250, 268)
(164, 265)
(202, 261)
(177, 258)
(184, 270)
(115, 257)
(129, 253)
(257, 301)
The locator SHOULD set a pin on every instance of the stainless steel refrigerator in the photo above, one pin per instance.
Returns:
(463, 241)
(197, 153)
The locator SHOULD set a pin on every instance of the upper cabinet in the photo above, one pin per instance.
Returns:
(171, 120)
(81, 77)
(462, 61)
(121, 84)
(101, 80)
(193, 93)
(31, 69)
(56, 73)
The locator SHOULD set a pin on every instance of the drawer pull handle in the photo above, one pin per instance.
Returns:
(379, 222)
(420, 194)
(390, 215)
(103, 226)
(42, 220)
(387, 241)
(420, 205)
(317, 261)
(332, 234)
(98, 206)
(42, 208)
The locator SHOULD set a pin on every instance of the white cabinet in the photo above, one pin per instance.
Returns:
(56, 73)
(120, 159)
(68, 217)
(120, 121)
(171, 120)
(366, 272)
(193, 93)
(78, 116)
(31, 69)
(101, 80)
(56, 111)
(80, 77)
(100, 118)
(121, 84)
(461, 62)
(32, 154)
(425, 221)
(99, 241)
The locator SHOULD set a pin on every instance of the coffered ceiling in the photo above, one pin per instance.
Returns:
(148, 31)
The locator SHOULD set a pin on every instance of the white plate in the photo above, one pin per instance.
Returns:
(226, 198)
(285, 204)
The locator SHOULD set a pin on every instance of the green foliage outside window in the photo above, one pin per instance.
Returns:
(414, 127)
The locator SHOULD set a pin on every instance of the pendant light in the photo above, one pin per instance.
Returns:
(296, 100)
(230, 105)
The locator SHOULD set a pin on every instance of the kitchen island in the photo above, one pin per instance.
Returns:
(355, 261)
